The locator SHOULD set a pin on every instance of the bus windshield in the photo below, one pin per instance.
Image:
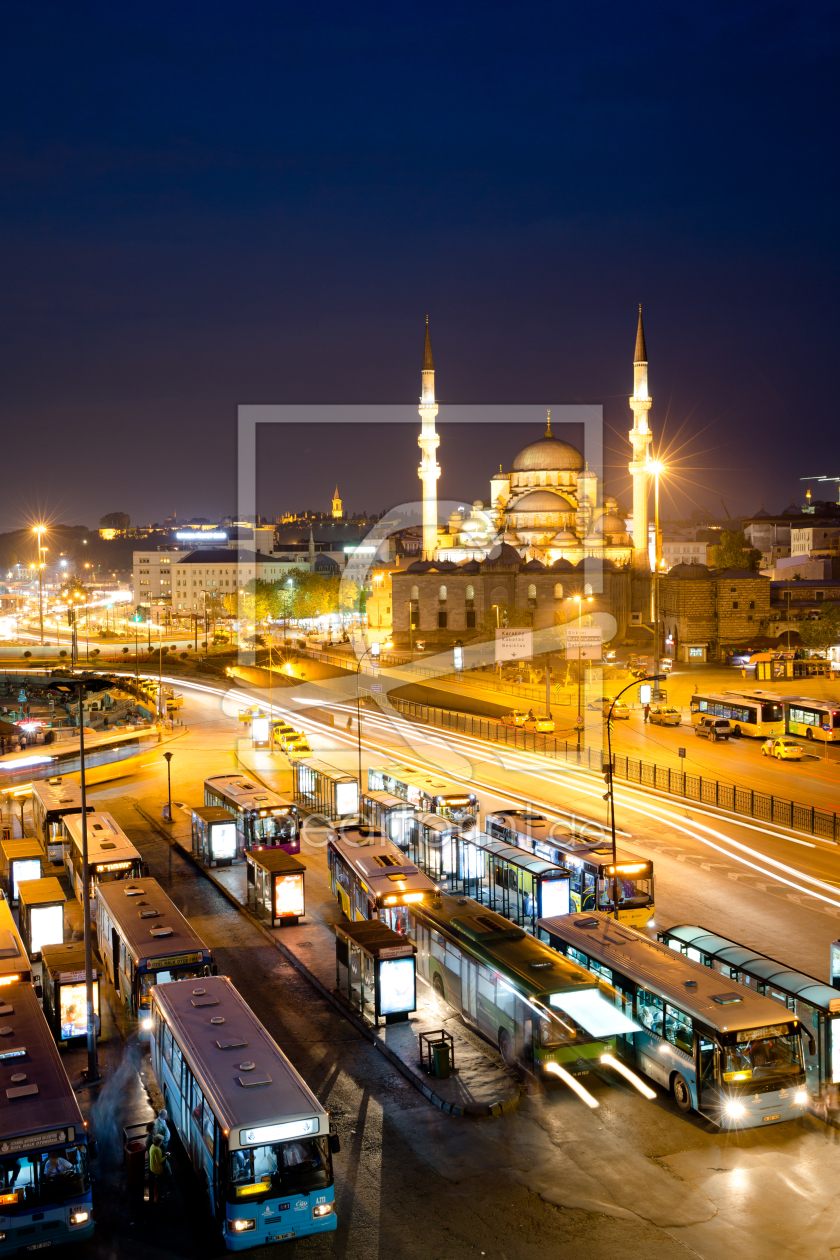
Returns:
(631, 892)
(281, 1168)
(44, 1176)
(759, 1056)
(150, 978)
(771, 712)
(275, 829)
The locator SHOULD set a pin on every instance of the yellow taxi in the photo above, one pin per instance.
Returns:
(516, 717)
(542, 725)
(782, 749)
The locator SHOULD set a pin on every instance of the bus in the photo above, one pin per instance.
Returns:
(513, 989)
(111, 855)
(52, 799)
(749, 713)
(813, 719)
(263, 819)
(372, 879)
(589, 860)
(257, 1137)
(15, 967)
(742, 1074)
(46, 1192)
(145, 940)
(427, 790)
(518, 885)
(392, 813)
(433, 844)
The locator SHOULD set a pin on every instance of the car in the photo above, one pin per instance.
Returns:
(782, 749)
(619, 709)
(516, 717)
(665, 715)
(713, 728)
(599, 702)
(542, 725)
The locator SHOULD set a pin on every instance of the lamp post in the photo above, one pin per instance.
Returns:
(656, 468)
(580, 600)
(373, 651)
(608, 777)
(168, 756)
(39, 530)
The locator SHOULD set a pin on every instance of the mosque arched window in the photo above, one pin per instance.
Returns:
(532, 593)
(415, 592)
(469, 593)
(587, 588)
(442, 594)
(558, 590)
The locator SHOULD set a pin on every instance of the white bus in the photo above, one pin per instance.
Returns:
(372, 879)
(52, 800)
(744, 1073)
(263, 819)
(258, 1138)
(427, 790)
(111, 855)
(761, 716)
(813, 719)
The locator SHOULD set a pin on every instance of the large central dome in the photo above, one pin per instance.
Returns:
(549, 454)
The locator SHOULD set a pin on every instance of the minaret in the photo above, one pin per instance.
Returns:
(428, 441)
(640, 440)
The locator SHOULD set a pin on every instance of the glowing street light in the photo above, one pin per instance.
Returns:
(656, 468)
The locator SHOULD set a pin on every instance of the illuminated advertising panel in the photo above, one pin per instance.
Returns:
(47, 927)
(223, 840)
(72, 1009)
(397, 986)
(26, 868)
(347, 798)
(288, 896)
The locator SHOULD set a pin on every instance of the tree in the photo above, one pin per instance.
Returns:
(509, 615)
(115, 520)
(734, 552)
(71, 587)
(825, 631)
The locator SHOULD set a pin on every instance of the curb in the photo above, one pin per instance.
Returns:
(470, 1111)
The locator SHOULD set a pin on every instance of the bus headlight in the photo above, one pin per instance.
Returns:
(241, 1225)
(735, 1109)
(79, 1217)
(800, 1098)
(322, 1209)
(145, 1024)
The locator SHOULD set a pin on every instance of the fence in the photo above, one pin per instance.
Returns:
(824, 824)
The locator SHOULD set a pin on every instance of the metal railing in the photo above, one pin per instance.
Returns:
(808, 819)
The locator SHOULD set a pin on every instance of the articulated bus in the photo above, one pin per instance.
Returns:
(536, 1007)
(372, 879)
(46, 1195)
(52, 800)
(428, 791)
(813, 719)
(588, 861)
(750, 713)
(745, 1073)
(111, 855)
(263, 819)
(15, 967)
(145, 940)
(257, 1136)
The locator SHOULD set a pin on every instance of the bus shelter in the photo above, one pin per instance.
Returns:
(325, 790)
(380, 966)
(514, 883)
(391, 814)
(816, 1005)
(21, 861)
(65, 997)
(213, 836)
(432, 846)
(41, 913)
(275, 886)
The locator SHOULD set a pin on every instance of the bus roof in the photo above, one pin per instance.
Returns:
(712, 998)
(535, 968)
(62, 796)
(14, 960)
(377, 860)
(321, 767)
(387, 799)
(142, 911)
(725, 697)
(597, 850)
(242, 1098)
(436, 822)
(246, 794)
(434, 785)
(514, 855)
(45, 1104)
(106, 840)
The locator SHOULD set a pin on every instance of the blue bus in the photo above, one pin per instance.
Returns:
(256, 1135)
(45, 1198)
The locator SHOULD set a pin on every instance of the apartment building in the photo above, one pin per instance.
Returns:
(152, 575)
(218, 571)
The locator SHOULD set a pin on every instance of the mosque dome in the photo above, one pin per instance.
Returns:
(562, 566)
(549, 454)
(504, 554)
(610, 524)
(541, 501)
(534, 566)
(564, 538)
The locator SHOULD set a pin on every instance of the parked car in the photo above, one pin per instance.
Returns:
(542, 725)
(619, 709)
(665, 715)
(782, 749)
(516, 717)
(599, 702)
(713, 728)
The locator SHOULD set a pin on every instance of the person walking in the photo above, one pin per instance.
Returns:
(647, 712)
(157, 1168)
(161, 1126)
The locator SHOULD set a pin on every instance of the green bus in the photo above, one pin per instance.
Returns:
(536, 1006)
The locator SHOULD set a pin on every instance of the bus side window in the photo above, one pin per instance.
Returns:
(438, 948)
(177, 1063)
(650, 1011)
(678, 1030)
(578, 957)
(167, 1044)
(208, 1128)
(156, 1025)
(196, 1102)
(707, 1060)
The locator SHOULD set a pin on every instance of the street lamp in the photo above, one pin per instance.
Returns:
(608, 778)
(168, 756)
(580, 600)
(655, 467)
(373, 651)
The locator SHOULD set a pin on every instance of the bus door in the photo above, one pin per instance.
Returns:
(115, 959)
(708, 1087)
(588, 893)
(469, 984)
(363, 902)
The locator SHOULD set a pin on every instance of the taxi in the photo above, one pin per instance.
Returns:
(542, 725)
(664, 715)
(782, 749)
(516, 717)
(616, 710)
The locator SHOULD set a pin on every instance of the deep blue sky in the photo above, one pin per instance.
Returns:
(207, 204)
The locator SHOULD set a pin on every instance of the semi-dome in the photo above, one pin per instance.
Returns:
(534, 566)
(562, 566)
(541, 501)
(504, 554)
(549, 454)
(609, 524)
(694, 571)
(565, 538)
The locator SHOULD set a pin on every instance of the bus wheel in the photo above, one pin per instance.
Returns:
(737, 732)
(437, 985)
(682, 1094)
(505, 1048)
(809, 734)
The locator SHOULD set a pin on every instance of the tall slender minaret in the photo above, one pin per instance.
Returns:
(640, 440)
(428, 441)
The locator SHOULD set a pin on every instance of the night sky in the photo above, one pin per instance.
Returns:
(210, 204)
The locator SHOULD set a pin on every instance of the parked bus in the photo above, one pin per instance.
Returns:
(111, 855)
(257, 1136)
(372, 879)
(392, 813)
(761, 716)
(428, 791)
(52, 800)
(46, 1194)
(15, 967)
(588, 860)
(145, 940)
(512, 988)
(813, 719)
(263, 819)
(745, 1073)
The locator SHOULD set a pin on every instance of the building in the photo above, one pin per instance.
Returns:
(804, 539)
(683, 550)
(800, 599)
(152, 576)
(197, 574)
(337, 509)
(706, 611)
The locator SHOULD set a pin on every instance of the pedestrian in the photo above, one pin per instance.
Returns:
(157, 1167)
(161, 1126)
(647, 712)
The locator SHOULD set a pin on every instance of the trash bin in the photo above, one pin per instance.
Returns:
(440, 1056)
(135, 1163)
